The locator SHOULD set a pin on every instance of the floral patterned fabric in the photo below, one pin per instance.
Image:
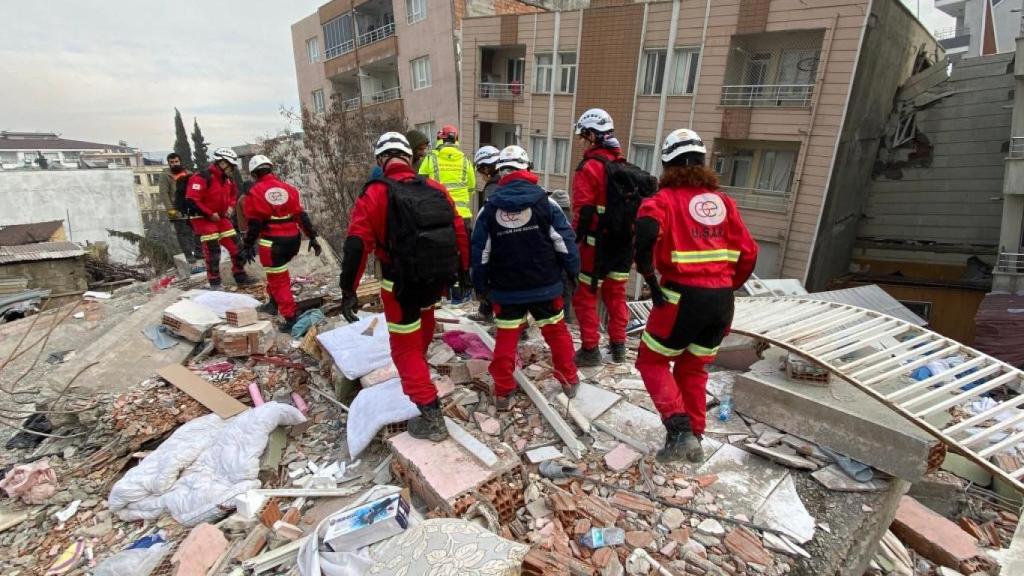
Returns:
(445, 546)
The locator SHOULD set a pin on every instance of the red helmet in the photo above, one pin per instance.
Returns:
(448, 132)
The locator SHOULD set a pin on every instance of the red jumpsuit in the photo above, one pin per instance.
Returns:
(410, 317)
(588, 203)
(273, 211)
(703, 253)
(208, 194)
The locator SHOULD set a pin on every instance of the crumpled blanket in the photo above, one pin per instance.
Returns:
(467, 343)
(34, 483)
(201, 467)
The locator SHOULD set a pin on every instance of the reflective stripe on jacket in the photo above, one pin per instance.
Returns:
(449, 166)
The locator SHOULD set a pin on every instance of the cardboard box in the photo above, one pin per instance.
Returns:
(372, 522)
(255, 338)
(239, 317)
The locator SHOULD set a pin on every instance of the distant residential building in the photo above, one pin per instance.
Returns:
(982, 27)
(391, 57)
(789, 97)
(146, 180)
(19, 150)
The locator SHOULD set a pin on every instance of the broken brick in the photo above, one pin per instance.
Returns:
(621, 458)
(639, 538)
(932, 535)
(706, 480)
(746, 546)
(633, 502)
(681, 535)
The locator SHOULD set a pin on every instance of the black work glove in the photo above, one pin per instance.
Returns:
(349, 302)
(315, 247)
(657, 296)
(247, 254)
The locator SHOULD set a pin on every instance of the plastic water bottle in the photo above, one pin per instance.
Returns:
(725, 409)
(601, 537)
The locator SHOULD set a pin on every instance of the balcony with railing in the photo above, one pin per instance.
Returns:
(349, 104)
(756, 199)
(500, 91)
(381, 96)
(772, 69)
(377, 34)
(1016, 150)
(773, 95)
(954, 38)
(1010, 263)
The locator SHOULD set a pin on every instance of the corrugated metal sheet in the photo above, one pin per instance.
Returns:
(871, 297)
(40, 251)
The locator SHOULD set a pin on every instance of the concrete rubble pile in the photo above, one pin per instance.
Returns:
(775, 495)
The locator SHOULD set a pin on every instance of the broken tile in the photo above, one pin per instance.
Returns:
(745, 545)
(669, 550)
(681, 535)
(833, 478)
(621, 458)
(487, 424)
(639, 538)
(784, 511)
(780, 456)
(633, 502)
(542, 454)
(777, 543)
(769, 439)
(199, 550)
(592, 401)
(744, 480)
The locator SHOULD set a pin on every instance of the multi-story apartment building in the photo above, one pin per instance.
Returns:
(20, 150)
(981, 27)
(394, 57)
(790, 97)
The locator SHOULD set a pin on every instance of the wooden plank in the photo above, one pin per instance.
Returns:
(219, 402)
(889, 352)
(913, 364)
(986, 415)
(560, 426)
(941, 377)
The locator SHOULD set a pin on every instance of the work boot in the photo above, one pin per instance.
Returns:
(215, 284)
(429, 425)
(570, 388)
(287, 325)
(588, 357)
(243, 279)
(504, 403)
(694, 449)
(618, 350)
(679, 440)
(270, 307)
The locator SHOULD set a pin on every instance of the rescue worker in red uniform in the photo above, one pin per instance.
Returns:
(692, 234)
(276, 222)
(210, 199)
(412, 226)
(522, 244)
(602, 276)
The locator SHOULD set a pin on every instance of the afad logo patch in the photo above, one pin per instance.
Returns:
(197, 186)
(708, 209)
(276, 196)
(514, 220)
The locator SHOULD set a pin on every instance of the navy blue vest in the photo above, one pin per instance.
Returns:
(522, 255)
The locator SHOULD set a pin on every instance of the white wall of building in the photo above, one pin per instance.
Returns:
(89, 202)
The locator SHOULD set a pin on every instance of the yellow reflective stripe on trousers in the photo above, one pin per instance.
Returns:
(265, 242)
(670, 295)
(600, 209)
(209, 237)
(387, 285)
(698, 350)
(510, 324)
(701, 256)
(591, 241)
(276, 269)
(618, 276)
(553, 320)
(658, 347)
(228, 234)
(396, 328)
(587, 280)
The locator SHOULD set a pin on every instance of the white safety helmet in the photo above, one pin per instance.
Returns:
(681, 141)
(392, 141)
(595, 119)
(226, 154)
(259, 160)
(486, 156)
(513, 158)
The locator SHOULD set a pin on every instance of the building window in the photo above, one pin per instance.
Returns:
(339, 37)
(8, 157)
(561, 156)
(643, 156)
(567, 72)
(539, 152)
(416, 10)
(514, 69)
(313, 50)
(72, 157)
(138, 182)
(684, 71)
(154, 179)
(420, 72)
(776, 171)
(318, 101)
(543, 71)
(428, 128)
(652, 73)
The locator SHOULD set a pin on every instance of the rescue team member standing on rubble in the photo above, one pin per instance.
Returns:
(276, 222)
(604, 272)
(211, 199)
(485, 160)
(412, 226)
(521, 245)
(172, 192)
(693, 235)
(449, 166)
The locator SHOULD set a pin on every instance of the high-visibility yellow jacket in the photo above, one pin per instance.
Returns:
(449, 166)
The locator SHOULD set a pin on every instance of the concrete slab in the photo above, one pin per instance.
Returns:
(833, 478)
(744, 480)
(737, 352)
(629, 423)
(592, 401)
(734, 425)
(783, 510)
(444, 466)
(839, 417)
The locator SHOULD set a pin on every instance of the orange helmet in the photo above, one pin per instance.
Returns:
(448, 132)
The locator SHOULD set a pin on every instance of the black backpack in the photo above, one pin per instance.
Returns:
(626, 185)
(421, 234)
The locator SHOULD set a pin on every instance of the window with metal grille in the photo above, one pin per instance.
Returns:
(772, 69)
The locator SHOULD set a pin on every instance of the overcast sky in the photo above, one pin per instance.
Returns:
(111, 70)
